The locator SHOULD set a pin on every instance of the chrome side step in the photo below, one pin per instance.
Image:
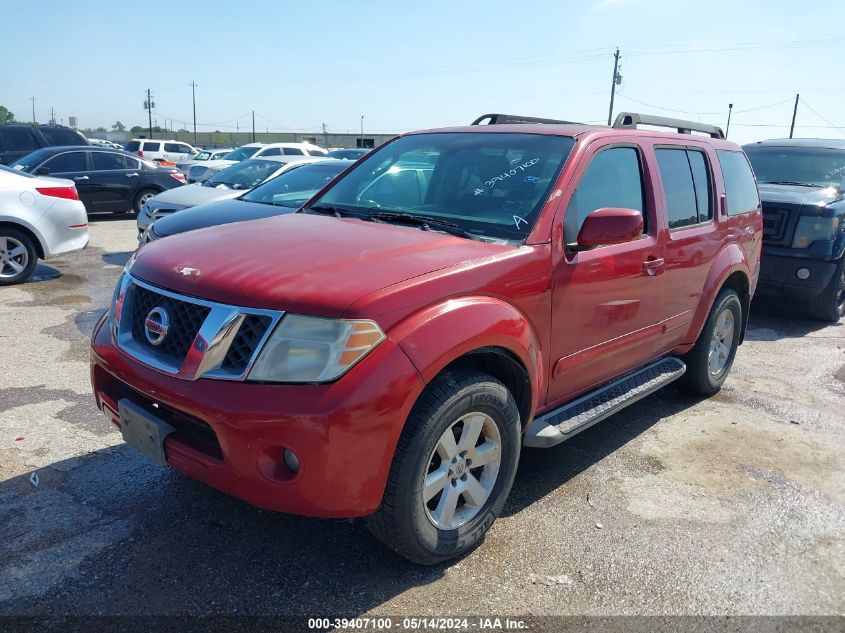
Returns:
(564, 422)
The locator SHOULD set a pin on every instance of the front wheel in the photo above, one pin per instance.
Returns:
(830, 305)
(453, 468)
(17, 257)
(709, 362)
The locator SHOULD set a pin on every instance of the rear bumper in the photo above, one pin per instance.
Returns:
(64, 228)
(230, 435)
(779, 276)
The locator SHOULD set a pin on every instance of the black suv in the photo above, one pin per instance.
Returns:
(19, 139)
(106, 179)
(802, 186)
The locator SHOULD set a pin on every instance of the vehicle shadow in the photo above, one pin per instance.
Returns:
(117, 258)
(147, 540)
(541, 471)
(43, 272)
(773, 319)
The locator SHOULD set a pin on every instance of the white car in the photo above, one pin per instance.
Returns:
(159, 150)
(202, 157)
(198, 173)
(40, 218)
(231, 182)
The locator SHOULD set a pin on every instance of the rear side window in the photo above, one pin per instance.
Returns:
(612, 179)
(293, 151)
(739, 182)
(67, 162)
(151, 147)
(61, 136)
(105, 160)
(273, 151)
(132, 146)
(686, 185)
(16, 139)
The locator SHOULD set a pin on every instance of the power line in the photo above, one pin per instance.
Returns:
(838, 127)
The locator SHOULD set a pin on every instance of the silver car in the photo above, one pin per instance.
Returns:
(40, 217)
(201, 157)
(228, 183)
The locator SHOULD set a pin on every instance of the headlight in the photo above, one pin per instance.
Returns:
(311, 349)
(811, 229)
(116, 306)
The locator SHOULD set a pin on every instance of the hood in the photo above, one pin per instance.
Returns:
(192, 195)
(796, 194)
(300, 263)
(216, 213)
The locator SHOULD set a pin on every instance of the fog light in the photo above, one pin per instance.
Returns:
(802, 273)
(291, 460)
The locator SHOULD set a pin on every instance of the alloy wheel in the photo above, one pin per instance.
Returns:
(14, 257)
(462, 471)
(721, 342)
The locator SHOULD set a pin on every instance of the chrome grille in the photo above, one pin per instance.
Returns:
(204, 339)
(246, 341)
(186, 319)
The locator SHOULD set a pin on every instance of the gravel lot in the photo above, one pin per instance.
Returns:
(732, 505)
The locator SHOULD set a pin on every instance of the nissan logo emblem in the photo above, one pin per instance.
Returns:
(156, 325)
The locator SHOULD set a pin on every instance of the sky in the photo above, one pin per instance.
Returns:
(406, 65)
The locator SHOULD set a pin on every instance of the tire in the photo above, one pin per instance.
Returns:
(705, 373)
(457, 402)
(141, 198)
(829, 306)
(18, 256)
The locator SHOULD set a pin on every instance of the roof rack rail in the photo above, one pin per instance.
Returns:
(630, 121)
(501, 119)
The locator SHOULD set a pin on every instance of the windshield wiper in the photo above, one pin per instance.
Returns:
(338, 212)
(790, 182)
(426, 223)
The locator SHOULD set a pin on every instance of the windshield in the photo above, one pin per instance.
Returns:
(295, 186)
(811, 165)
(242, 153)
(347, 154)
(488, 184)
(18, 172)
(244, 175)
(201, 156)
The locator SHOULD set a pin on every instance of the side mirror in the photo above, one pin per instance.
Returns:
(609, 226)
(42, 171)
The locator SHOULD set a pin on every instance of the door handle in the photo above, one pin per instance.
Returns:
(131, 175)
(653, 265)
(80, 177)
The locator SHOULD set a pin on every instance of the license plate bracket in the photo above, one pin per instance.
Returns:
(143, 431)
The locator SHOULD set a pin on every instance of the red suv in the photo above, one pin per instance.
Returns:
(456, 294)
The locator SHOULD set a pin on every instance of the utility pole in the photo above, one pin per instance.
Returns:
(326, 136)
(148, 106)
(794, 112)
(194, 101)
(728, 127)
(617, 79)
(253, 126)
(52, 116)
(33, 110)
(362, 131)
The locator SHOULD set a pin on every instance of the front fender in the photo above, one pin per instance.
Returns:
(437, 335)
(731, 259)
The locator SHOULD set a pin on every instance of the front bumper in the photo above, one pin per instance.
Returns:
(230, 435)
(779, 276)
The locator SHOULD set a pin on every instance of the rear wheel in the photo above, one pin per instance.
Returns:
(18, 256)
(709, 362)
(830, 305)
(452, 470)
(141, 198)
